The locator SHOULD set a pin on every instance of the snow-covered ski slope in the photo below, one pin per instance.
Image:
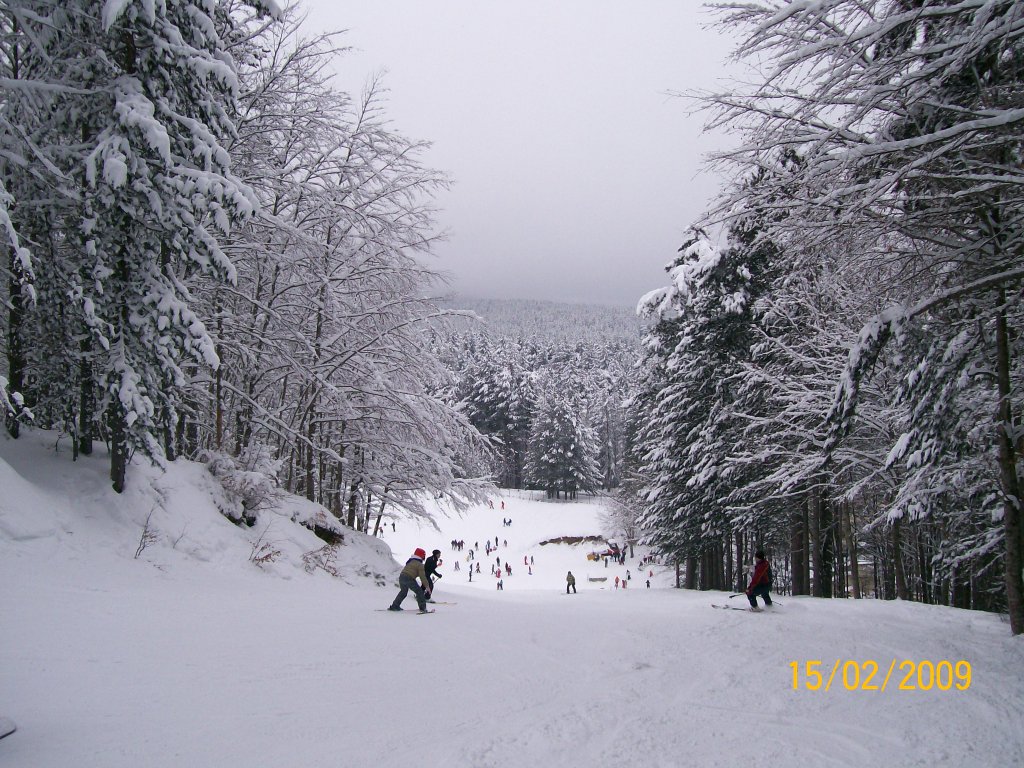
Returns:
(191, 655)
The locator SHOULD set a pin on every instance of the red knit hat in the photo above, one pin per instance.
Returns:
(419, 553)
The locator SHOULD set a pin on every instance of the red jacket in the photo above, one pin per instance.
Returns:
(760, 575)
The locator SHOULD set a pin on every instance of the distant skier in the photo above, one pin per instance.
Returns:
(407, 580)
(570, 583)
(760, 582)
(648, 583)
(616, 582)
(430, 566)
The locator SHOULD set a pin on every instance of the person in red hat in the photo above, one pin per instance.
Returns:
(407, 580)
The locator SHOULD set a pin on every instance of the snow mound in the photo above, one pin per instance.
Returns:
(168, 515)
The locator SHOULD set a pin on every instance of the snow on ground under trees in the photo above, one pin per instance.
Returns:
(192, 655)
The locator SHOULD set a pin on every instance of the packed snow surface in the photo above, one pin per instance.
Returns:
(192, 655)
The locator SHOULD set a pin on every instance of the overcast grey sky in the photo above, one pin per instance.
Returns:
(575, 175)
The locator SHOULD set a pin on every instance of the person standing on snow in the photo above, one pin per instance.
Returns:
(570, 581)
(760, 582)
(430, 567)
(407, 580)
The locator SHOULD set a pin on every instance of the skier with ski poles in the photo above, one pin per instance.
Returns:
(760, 582)
(430, 568)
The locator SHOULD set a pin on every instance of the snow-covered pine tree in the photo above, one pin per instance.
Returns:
(499, 403)
(689, 432)
(909, 121)
(563, 446)
(142, 100)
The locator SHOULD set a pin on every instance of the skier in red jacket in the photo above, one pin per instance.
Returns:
(760, 582)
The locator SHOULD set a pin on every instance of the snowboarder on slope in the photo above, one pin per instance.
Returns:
(407, 580)
(430, 567)
(760, 582)
(570, 581)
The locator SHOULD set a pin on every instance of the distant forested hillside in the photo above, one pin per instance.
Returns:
(550, 320)
(547, 384)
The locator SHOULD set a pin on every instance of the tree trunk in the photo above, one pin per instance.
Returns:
(851, 546)
(380, 512)
(1010, 481)
(728, 562)
(367, 512)
(740, 586)
(923, 566)
(86, 398)
(797, 551)
(691, 573)
(118, 445)
(840, 580)
(353, 495)
(310, 490)
(15, 349)
(826, 537)
(897, 561)
(814, 517)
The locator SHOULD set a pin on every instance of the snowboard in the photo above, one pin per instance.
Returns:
(7, 727)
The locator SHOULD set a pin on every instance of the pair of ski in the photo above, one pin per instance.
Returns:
(737, 608)
(734, 608)
(415, 613)
(7, 727)
(418, 613)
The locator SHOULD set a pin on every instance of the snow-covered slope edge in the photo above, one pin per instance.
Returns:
(167, 515)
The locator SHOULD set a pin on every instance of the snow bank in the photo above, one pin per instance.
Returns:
(180, 510)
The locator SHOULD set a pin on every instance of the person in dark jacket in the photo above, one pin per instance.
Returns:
(570, 581)
(407, 580)
(760, 582)
(430, 566)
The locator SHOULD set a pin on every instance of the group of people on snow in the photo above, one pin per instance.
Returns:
(420, 574)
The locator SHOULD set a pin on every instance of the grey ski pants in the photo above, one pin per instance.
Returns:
(406, 583)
